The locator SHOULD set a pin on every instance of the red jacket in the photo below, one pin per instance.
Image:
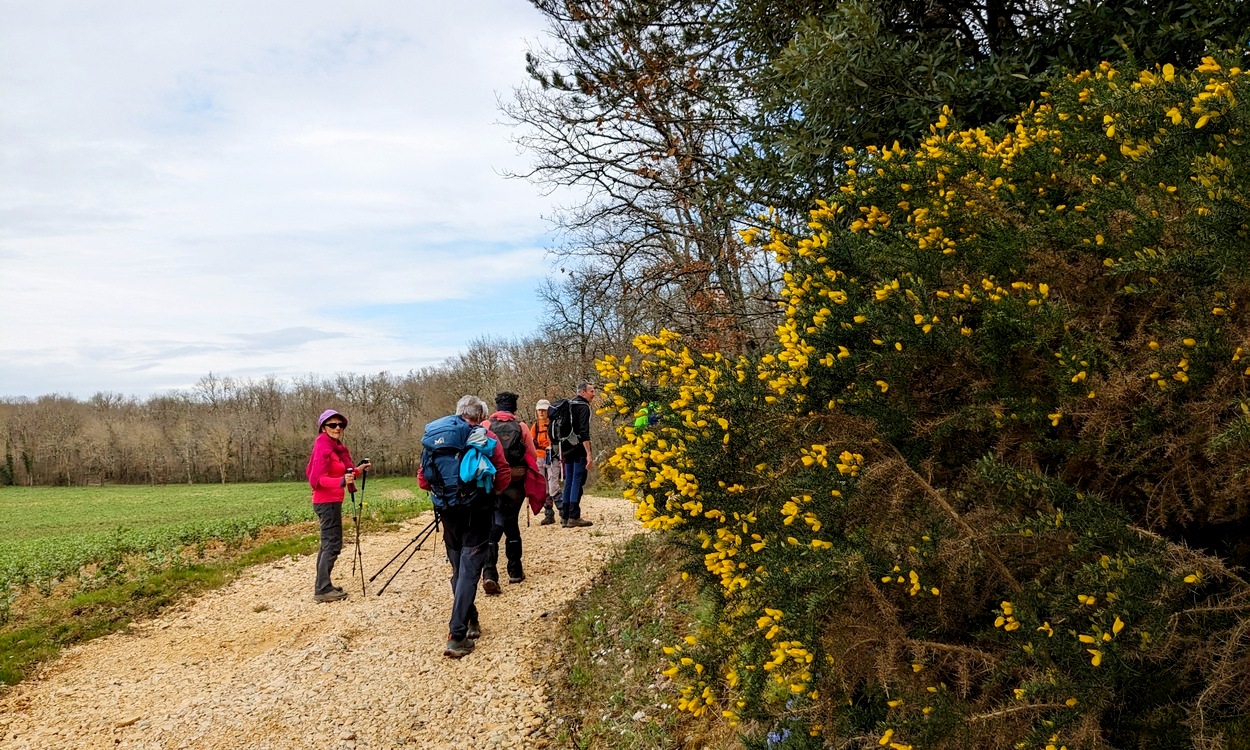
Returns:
(503, 477)
(329, 461)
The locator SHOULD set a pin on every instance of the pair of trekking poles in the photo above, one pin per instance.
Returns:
(357, 510)
(358, 560)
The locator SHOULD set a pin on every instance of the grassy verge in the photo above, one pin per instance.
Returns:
(48, 534)
(41, 631)
(41, 619)
(608, 687)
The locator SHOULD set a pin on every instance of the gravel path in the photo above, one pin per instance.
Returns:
(257, 664)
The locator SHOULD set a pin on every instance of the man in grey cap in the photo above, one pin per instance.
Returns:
(551, 468)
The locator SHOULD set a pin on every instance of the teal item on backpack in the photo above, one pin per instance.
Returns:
(476, 467)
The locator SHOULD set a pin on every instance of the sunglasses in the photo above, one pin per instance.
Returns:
(335, 425)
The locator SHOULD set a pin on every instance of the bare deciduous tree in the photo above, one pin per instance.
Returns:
(635, 104)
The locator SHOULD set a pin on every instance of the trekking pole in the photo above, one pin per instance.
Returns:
(356, 522)
(357, 511)
(419, 539)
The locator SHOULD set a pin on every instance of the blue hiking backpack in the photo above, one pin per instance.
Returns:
(443, 447)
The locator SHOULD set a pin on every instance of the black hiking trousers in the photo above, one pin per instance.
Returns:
(466, 534)
(330, 520)
(507, 519)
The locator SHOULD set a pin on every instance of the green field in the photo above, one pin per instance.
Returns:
(48, 533)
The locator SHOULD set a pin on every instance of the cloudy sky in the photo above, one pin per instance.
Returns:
(251, 188)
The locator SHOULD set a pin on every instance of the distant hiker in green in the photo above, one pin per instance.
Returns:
(646, 416)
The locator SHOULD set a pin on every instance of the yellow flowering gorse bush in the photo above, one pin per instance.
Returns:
(950, 508)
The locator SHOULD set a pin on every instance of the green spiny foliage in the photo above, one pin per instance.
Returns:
(951, 509)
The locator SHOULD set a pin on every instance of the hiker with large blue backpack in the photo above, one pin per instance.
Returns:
(462, 467)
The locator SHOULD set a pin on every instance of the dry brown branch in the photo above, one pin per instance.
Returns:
(937, 498)
(1207, 610)
(1015, 710)
(989, 659)
(1231, 677)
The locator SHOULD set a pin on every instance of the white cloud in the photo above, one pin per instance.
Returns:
(245, 187)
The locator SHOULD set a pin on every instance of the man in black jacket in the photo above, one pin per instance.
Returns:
(577, 459)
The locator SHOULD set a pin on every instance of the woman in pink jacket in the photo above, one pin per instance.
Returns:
(332, 474)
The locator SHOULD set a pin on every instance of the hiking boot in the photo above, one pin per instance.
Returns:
(333, 595)
(490, 570)
(516, 573)
(564, 522)
(574, 523)
(547, 521)
(457, 649)
(473, 632)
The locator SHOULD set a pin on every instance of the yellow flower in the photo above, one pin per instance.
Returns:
(1097, 656)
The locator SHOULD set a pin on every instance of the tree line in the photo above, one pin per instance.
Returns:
(227, 429)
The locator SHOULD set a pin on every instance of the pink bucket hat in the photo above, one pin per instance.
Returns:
(326, 415)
